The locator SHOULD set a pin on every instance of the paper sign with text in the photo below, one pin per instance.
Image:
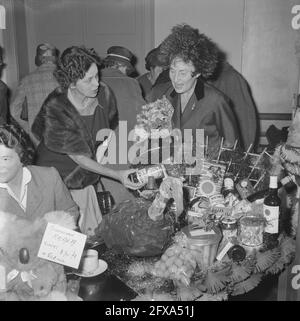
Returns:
(62, 245)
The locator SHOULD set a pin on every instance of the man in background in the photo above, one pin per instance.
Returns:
(127, 91)
(35, 87)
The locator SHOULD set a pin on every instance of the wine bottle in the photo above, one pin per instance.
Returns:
(271, 210)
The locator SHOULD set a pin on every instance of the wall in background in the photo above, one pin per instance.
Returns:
(269, 60)
(93, 23)
(220, 20)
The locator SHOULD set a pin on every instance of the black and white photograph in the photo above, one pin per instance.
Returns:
(110, 111)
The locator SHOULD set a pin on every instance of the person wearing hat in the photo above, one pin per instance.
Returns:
(233, 85)
(193, 59)
(35, 87)
(155, 64)
(129, 99)
(3, 94)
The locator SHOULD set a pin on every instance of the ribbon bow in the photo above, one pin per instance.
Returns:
(25, 276)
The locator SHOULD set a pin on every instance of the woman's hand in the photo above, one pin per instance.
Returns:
(126, 181)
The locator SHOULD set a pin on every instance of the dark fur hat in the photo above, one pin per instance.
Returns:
(191, 46)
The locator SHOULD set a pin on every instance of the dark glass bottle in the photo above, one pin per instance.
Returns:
(288, 183)
(271, 210)
(257, 195)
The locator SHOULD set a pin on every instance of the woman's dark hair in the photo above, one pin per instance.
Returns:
(188, 44)
(14, 137)
(155, 58)
(74, 63)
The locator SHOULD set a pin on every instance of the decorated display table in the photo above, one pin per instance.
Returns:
(125, 279)
(210, 234)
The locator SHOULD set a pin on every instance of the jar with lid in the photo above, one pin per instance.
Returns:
(229, 227)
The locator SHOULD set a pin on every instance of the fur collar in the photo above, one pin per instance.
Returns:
(61, 128)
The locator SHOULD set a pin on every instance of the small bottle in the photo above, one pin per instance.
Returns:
(230, 194)
(244, 188)
(151, 185)
(228, 186)
(271, 210)
(141, 175)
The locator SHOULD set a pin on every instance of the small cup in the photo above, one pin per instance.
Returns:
(89, 261)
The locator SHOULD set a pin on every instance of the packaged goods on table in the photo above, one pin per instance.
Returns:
(211, 179)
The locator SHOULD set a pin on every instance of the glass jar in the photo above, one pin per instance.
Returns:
(251, 230)
(229, 227)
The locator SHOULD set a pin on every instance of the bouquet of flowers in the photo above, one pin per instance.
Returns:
(155, 119)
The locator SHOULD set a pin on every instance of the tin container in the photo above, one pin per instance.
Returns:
(204, 244)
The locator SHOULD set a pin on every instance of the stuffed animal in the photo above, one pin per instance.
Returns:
(28, 277)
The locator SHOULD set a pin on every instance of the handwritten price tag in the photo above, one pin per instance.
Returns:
(62, 245)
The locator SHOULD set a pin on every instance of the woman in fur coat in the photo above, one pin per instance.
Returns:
(67, 126)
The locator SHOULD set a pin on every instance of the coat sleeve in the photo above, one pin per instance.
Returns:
(17, 103)
(63, 198)
(107, 99)
(236, 88)
(226, 122)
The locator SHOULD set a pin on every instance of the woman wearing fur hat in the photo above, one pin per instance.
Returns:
(67, 126)
(192, 59)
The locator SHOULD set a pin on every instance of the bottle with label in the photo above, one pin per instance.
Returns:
(141, 175)
(229, 192)
(271, 210)
(244, 188)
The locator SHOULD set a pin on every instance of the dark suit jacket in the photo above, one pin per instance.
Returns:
(46, 192)
(207, 109)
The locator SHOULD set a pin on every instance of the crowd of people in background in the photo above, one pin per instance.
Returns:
(58, 109)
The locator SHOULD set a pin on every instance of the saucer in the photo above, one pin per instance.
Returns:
(102, 266)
